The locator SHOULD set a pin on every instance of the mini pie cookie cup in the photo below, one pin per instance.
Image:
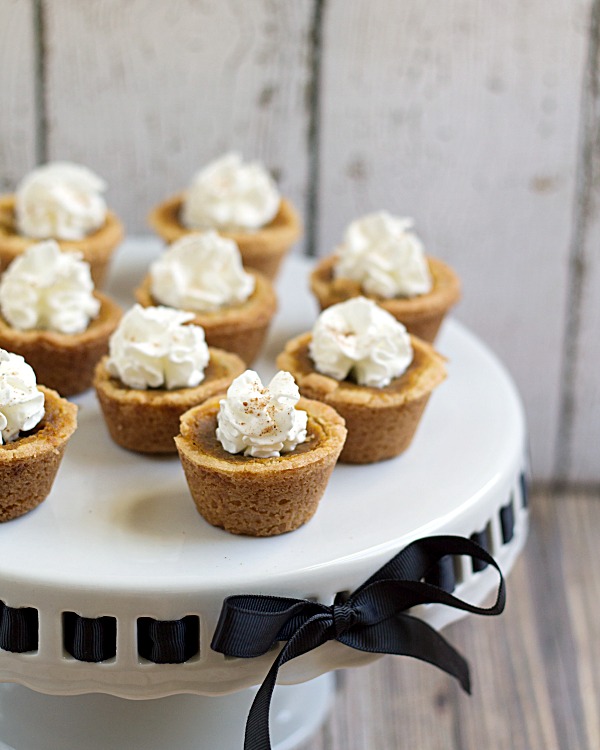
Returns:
(28, 466)
(258, 496)
(146, 421)
(263, 249)
(381, 422)
(97, 248)
(422, 315)
(65, 361)
(241, 328)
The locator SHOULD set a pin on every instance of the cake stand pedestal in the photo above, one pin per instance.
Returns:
(34, 721)
(118, 549)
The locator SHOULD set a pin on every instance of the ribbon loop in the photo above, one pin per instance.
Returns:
(374, 619)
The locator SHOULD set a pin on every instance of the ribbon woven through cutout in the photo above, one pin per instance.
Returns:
(373, 618)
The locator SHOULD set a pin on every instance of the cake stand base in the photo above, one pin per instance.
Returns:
(34, 721)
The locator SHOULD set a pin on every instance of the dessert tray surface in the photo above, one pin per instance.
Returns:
(118, 544)
(126, 521)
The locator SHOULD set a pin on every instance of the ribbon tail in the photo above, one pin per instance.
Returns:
(404, 635)
(257, 735)
(312, 634)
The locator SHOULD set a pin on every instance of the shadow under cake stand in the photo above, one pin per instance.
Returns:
(118, 546)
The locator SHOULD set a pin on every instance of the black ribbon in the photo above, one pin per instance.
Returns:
(374, 619)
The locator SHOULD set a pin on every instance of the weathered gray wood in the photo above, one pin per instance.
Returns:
(524, 695)
(382, 706)
(465, 115)
(578, 441)
(535, 669)
(146, 93)
(579, 530)
(18, 86)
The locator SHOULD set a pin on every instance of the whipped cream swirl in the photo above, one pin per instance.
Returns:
(384, 257)
(46, 289)
(60, 200)
(231, 195)
(360, 340)
(153, 348)
(21, 403)
(202, 272)
(258, 421)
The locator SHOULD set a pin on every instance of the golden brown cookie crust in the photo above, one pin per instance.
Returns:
(65, 361)
(263, 250)
(28, 466)
(258, 496)
(381, 422)
(97, 248)
(239, 328)
(146, 421)
(422, 315)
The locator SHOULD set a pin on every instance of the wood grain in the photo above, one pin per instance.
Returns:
(577, 446)
(18, 86)
(464, 115)
(535, 669)
(147, 93)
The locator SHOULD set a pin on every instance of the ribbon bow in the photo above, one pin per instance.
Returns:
(374, 619)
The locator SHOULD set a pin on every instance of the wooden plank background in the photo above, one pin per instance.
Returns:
(535, 669)
(18, 76)
(481, 120)
(581, 405)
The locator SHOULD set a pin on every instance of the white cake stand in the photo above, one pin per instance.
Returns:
(119, 538)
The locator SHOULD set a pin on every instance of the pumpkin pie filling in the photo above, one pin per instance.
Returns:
(203, 438)
(97, 248)
(65, 362)
(258, 496)
(262, 249)
(381, 422)
(422, 314)
(147, 420)
(29, 464)
(240, 328)
(410, 384)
